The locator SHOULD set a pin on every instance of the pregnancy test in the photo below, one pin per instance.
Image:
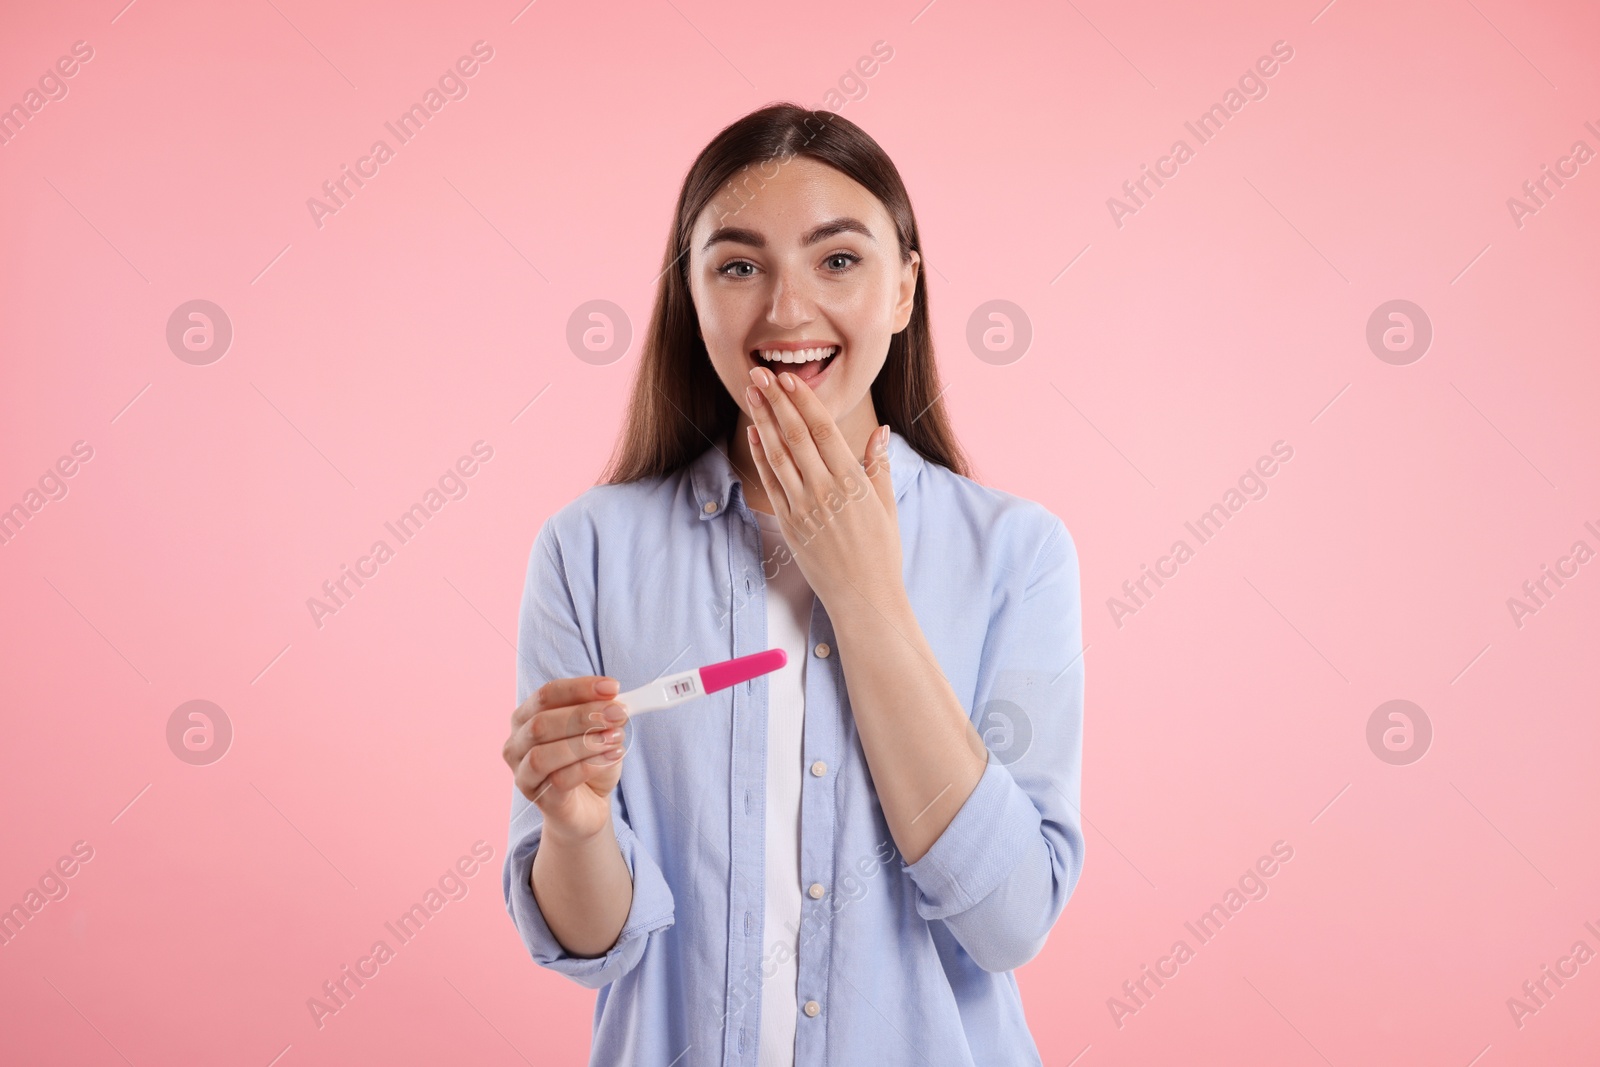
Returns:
(674, 689)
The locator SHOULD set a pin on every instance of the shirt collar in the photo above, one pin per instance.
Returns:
(712, 477)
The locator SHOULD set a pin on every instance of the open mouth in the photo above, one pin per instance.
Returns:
(806, 364)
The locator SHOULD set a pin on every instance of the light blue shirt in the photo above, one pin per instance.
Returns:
(898, 963)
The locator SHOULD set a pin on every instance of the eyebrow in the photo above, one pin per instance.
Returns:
(828, 229)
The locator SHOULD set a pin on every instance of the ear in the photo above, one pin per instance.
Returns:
(908, 292)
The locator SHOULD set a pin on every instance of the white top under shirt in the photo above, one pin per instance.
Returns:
(789, 604)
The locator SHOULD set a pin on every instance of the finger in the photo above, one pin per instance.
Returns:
(764, 471)
(544, 760)
(550, 790)
(798, 433)
(779, 459)
(876, 466)
(563, 692)
(831, 447)
(543, 727)
(560, 723)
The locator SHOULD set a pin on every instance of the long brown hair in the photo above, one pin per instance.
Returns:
(679, 407)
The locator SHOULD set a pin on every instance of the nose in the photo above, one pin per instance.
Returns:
(793, 302)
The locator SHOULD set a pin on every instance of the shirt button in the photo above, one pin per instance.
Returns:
(822, 649)
(711, 506)
(816, 891)
(812, 1007)
(818, 769)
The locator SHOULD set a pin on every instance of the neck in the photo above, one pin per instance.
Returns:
(855, 427)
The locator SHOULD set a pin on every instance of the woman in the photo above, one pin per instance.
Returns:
(826, 864)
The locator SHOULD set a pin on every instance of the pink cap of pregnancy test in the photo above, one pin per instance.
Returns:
(731, 672)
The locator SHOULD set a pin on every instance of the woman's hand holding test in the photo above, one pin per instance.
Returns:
(565, 751)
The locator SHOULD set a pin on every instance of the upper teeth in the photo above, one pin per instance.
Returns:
(799, 355)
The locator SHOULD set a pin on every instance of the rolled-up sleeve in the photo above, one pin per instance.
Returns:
(551, 643)
(1002, 870)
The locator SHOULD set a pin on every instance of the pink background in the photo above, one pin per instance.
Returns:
(369, 354)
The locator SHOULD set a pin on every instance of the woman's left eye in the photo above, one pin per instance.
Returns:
(850, 258)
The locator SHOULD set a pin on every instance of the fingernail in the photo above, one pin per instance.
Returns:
(753, 395)
(606, 687)
(788, 381)
(615, 712)
(763, 377)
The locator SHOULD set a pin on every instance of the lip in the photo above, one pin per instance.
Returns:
(793, 346)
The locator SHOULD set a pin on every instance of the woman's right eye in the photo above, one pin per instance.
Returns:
(726, 268)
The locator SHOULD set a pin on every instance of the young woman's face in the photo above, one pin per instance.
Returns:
(808, 257)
